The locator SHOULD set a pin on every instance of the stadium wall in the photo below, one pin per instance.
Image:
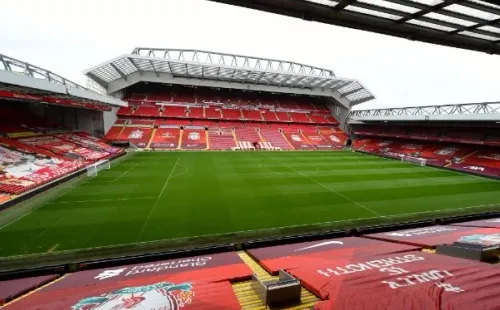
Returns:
(109, 118)
(90, 121)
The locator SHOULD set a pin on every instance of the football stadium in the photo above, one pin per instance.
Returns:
(193, 179)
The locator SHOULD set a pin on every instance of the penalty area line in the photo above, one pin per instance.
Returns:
(157, 200)
(121, 175)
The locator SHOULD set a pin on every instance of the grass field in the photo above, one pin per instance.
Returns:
(155, 196)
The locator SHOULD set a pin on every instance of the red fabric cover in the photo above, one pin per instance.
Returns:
(317, 141)
(188, 283)
(433, 235)
(11, 289)
(194, 139)
(298, 141)
(298, 255)
(137, 135)
(412, 280)
(493, 223)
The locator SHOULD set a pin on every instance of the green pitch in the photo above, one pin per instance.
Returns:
(157, 196)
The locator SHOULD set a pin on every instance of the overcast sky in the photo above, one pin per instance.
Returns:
(67, 37)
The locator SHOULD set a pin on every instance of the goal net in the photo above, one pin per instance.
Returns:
(93, 169)
(414, 160)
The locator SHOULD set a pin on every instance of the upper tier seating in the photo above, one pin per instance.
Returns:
(252, 115)
(269, 116)
(147, 111)
(174, 111)
(283, 116)
(196, 112)
(125, 111)
(299, 117)
(231, 114)
(318, 119)
(211, 112)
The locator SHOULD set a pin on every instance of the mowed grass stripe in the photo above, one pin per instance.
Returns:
(210, 193)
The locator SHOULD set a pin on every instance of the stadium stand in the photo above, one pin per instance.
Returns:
(276, 138)
(147, 111)
(35, 151)
(221, 138)
(201, 282)
(196, 112)
(454, 148)
(174, 111)
(226, 110)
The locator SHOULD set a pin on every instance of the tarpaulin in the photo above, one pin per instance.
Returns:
(412, 280)
(311, 253)
(434, 235)
(13, 288)
(200, 282)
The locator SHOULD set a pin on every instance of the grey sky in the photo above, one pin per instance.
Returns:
(70, 36)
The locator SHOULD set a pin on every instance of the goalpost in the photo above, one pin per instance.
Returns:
(414, 160)
(93, 169)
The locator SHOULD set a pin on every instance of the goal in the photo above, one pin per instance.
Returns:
(93, 169)
(414, 160)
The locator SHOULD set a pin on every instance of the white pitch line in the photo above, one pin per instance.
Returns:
(121, 175)
(157, 199)
(47, 203)
(331, 190)
(186, 169)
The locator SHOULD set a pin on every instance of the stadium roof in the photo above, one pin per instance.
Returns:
(467, 24)
(20, 80)
(485, 111)
(179, 66)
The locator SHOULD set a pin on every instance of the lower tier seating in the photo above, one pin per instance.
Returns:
(221, 139)
(247, 134)
(465, 157)
(276, 138)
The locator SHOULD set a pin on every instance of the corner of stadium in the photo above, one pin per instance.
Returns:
(190, 179)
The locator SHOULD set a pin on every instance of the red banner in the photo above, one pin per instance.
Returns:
(434, 235)
(53, 100)
(186, 283)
